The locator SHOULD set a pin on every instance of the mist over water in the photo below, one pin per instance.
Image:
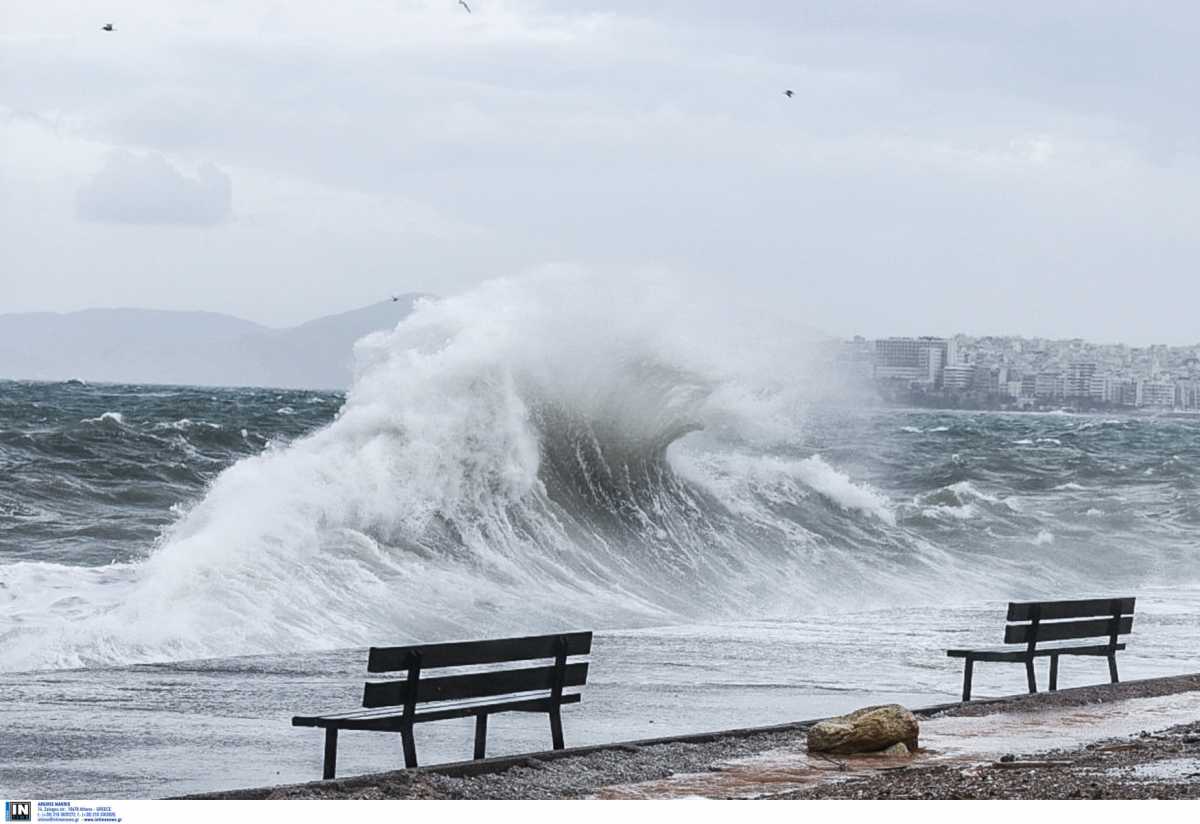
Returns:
(553, 451)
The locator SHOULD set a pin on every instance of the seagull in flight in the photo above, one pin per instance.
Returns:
(463, 3)
(789, 93)
(107, 27)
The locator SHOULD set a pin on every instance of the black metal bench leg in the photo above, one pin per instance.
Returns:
(556, 728)
(1053, 673)
(968, 668)
(330, 753)
(480, 735)
(410, 746)
(1112, 668)
(1030, 675)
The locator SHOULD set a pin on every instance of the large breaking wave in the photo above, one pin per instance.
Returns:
(543, 452)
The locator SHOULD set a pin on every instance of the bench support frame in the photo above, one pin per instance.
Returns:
(480, 736)
(330, 767)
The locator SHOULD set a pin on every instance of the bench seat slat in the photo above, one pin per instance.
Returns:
(1020, 653)
(380, 712)
(1058, 610)
(464, 653)
(1066, 630)
(392, 720)
(472, 685)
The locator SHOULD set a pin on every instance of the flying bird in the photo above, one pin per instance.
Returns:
(107, 27)
(463, 3)
(789, 93)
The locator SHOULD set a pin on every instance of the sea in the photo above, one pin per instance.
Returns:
(182, 569)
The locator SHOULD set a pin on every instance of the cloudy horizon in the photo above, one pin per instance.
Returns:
(1015, 169)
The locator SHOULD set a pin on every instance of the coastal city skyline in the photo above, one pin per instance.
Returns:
(1010, 371)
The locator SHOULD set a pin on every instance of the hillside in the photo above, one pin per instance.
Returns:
(198, 348)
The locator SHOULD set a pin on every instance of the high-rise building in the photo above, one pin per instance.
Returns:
(1187, 395)
(1079, 379)
(917, 360)
(1050, 386)
(1125, 392)
(958, 376)
(1157, 393)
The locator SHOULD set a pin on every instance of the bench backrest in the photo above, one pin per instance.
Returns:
(1031, 622)
(416, 662)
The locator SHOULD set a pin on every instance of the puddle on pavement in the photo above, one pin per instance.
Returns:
(987, 737)
(958, 740)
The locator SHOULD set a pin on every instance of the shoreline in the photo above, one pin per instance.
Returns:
(666, 767)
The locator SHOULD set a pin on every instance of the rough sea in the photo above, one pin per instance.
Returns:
(182, 569)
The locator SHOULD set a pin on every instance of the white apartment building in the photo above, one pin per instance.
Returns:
(1156, 393)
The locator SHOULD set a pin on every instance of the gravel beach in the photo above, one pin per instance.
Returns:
(1150, 763)
(1159, 765)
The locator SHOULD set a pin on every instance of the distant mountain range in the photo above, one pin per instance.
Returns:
(194, 348)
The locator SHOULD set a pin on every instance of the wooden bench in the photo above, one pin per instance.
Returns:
(397, 705)
(1072, 622)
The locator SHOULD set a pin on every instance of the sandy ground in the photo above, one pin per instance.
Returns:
(1135, 740)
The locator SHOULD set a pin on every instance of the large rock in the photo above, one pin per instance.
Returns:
(867, 730)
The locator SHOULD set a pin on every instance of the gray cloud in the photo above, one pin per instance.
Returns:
(149, 190)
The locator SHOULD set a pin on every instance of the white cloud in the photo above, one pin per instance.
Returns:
(149, 190)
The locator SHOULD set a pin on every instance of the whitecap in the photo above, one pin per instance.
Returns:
(841, 490)
(113, 417)
(958, 513)
(965, 488)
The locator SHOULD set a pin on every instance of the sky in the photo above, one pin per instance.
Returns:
(943, 167)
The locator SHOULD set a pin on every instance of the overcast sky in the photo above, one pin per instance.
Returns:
(1016, 167)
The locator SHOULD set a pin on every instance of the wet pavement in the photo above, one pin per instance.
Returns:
(964, 742)
(178, 727)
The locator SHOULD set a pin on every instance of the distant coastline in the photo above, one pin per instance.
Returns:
(179, 348)
(920, 402)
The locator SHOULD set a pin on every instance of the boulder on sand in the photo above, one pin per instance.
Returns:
(867, 730)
